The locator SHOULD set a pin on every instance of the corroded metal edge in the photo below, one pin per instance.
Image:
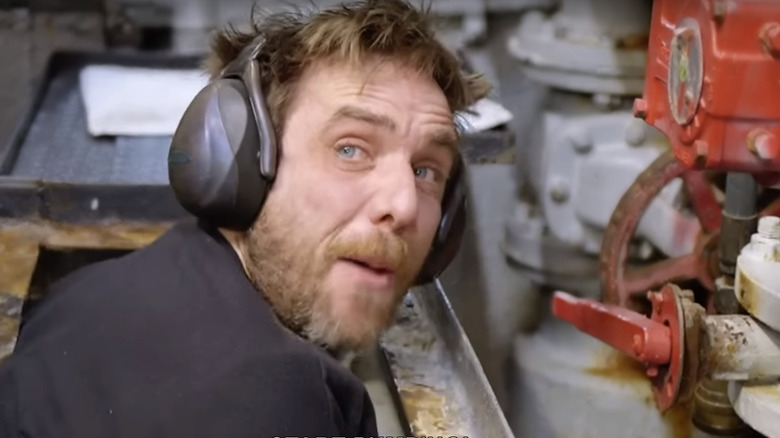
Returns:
(441, 384)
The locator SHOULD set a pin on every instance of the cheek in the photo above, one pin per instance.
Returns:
(428, 225)
(308, 196)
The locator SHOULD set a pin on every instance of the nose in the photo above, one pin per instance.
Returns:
(394, 204)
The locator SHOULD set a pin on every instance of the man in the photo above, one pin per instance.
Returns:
(221, 331)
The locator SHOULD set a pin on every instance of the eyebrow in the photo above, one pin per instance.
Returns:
(446, 138)
(363, 115)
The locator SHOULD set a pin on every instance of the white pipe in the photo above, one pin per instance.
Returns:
(738, 347)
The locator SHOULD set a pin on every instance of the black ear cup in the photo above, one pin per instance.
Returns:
(213, 164)
(452, 225)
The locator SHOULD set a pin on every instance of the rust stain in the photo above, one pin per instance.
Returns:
(748, 296)
(426, 410)
(633, 42)
(18, 256)
(423, 376)
(770, 390)
(620, 367)
(678, 421)
(9, 329)
(20, 242)
(723, 342)
(107, 235)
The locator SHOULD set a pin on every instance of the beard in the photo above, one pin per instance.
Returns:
(289, 267)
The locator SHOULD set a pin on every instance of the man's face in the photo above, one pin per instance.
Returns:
(357, 200)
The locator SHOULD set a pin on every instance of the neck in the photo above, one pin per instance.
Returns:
(237, 242)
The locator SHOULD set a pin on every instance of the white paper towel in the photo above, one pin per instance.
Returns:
(132, 101)
(488, 114)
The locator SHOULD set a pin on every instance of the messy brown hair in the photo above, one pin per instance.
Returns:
(352, 32)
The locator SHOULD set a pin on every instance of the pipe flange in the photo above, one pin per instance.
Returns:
(666, 379)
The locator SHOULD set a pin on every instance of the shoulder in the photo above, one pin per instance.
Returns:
(310, 375)
(8, 401)
(289, 390)
(349, 397)
(140, 285)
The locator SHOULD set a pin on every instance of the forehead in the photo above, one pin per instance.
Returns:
(386, 85)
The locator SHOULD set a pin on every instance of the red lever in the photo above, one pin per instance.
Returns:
(633, 334)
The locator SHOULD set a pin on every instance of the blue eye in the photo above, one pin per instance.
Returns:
(348, 151)
(422, 172)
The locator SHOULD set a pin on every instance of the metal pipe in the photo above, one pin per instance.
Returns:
(737, 347)
(740, 215)
(741, 195)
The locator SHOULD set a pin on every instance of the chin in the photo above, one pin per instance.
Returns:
(355, 319)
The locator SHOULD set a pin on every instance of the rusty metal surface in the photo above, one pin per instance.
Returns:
(737, 347)
(443, 389)
(713, 412)
(668, 343)
(621, 284)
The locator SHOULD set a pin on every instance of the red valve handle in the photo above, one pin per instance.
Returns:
(631, 333)
(659, 341)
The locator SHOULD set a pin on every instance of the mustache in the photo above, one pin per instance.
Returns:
(380, 247)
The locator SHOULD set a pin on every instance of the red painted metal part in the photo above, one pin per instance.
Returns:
(657, 341)
(624, 330)
(666, 380)
(621, 284)
(711, 83)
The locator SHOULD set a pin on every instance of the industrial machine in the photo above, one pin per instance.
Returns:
(658, 154)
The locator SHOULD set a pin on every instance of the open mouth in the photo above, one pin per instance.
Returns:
(376, 266)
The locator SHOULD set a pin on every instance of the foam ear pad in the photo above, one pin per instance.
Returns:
(452, 225)
(213, 165)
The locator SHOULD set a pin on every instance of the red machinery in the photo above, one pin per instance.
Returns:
(712, 81)
(712, 86)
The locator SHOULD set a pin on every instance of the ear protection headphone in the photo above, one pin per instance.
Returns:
(224, 154)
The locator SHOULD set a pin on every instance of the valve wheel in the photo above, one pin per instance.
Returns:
(622, 284)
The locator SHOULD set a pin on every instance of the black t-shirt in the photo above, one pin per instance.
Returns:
(172, 341)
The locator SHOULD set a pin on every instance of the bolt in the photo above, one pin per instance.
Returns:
(770, 38)
(636, 133)
(719, 9)
(559, 191)
(580, 141)
(605, 101)
(652, 371)
(762, 144)
(700, 148)
(640, 108)
(655, 297)
(769, 227)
